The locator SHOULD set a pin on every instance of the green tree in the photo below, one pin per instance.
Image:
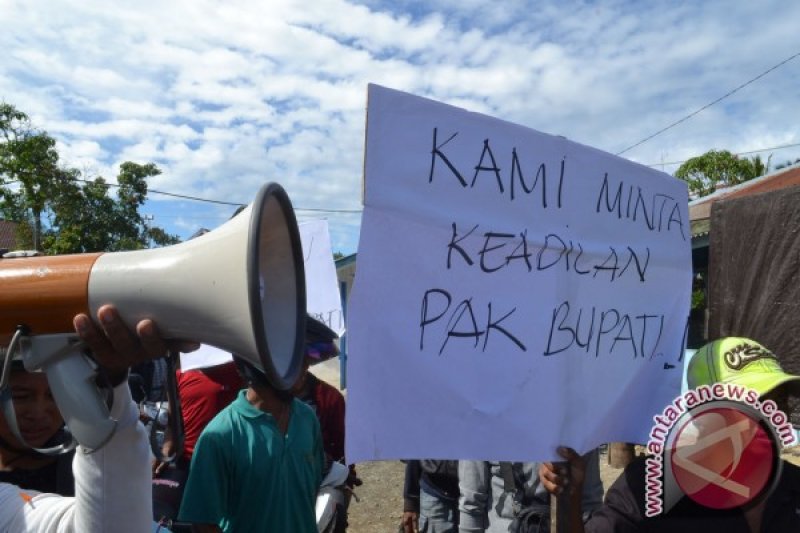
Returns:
(57, 211)
(87, 219)
(719, 168)
(28, 157)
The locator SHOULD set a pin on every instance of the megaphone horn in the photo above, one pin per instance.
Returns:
(240, 287)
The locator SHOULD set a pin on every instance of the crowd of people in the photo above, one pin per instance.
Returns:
(253, 456)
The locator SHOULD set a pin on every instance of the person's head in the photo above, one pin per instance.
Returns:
(318, 347)
(257, 380)
(742, 362)
(38, 417)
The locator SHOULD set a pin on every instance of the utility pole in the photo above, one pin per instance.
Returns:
(147, 220)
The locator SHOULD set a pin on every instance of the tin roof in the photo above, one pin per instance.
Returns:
(785, 177)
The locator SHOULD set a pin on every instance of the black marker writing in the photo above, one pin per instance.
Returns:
(487, 164)
(462, 322)
(504, 250)
(659, 212)
(601, 332)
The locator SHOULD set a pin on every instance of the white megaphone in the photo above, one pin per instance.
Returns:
(240, 287)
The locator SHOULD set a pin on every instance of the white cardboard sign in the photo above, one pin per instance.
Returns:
(515, 290)
(322, 287)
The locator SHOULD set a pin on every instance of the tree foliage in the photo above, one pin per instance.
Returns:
(28, 158)
(60, 212)
(719, 168)
(116, 224)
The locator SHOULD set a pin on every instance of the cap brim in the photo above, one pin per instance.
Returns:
(765, 382)
(316, 331)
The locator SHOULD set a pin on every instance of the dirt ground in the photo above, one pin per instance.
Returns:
(380, 499)
(381, 496)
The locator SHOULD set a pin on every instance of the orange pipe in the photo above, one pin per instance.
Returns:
(43, 293)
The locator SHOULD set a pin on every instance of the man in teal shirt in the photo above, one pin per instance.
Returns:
(258, 464)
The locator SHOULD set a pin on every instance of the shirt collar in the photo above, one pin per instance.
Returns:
(248, 410)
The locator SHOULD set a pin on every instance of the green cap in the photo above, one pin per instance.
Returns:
(737, 360)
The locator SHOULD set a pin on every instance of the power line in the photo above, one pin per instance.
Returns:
(222, 202)
(194, 198)
(729, 93)
(175, 195)
(737, 153)
(320, 210)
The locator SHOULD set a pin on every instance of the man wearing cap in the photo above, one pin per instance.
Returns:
(735, 361)
(257, 465)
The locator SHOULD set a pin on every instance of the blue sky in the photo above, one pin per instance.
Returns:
(226, 96)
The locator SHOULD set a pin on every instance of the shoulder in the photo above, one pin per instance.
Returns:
(327, 393)
(625, 499)
(221, 426)
(303, 411)
(328, 388)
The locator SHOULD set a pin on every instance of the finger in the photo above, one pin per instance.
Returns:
(151, 342)
(555, 477)
(124, 344)
(551, 486)
(90, 334)
(548, 472)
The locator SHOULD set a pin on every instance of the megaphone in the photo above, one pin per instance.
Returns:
(240, 287)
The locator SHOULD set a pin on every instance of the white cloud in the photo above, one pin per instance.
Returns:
(224, 96)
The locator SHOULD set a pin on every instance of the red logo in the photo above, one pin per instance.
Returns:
(723, 457)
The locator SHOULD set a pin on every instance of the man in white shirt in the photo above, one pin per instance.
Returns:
(112, 484)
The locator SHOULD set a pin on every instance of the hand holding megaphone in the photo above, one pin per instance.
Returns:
(240, 288)
(115, 348)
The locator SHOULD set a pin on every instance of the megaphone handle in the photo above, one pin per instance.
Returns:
(175, 420)
(72, 382)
